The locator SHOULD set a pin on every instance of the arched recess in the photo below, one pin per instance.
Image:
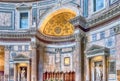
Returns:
(57, 23)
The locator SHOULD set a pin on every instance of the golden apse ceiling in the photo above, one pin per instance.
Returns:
(58, 24)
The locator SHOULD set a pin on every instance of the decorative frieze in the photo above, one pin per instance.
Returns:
(63, 50)
(56, 39)
(18, 34)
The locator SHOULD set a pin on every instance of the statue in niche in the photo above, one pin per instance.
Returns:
(99, 72)
(23, 74)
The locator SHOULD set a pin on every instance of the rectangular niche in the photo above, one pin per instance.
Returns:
(67, 61)
(112, 68)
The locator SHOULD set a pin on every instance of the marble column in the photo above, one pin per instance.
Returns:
(6, 63)
(77, 58)
(41, 62)
(104, 69)
(15, 72)
(34, 62)
(88, 77)
(28, 72)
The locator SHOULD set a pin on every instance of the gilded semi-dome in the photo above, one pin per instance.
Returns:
(59, 25)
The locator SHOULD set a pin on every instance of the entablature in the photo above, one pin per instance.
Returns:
(96, 20)
(27, 34)
(96, 50)
(79, 20)
(78, 34)
(107, 15)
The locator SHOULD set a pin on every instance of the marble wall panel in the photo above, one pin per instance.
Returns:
(6, 19)
(110, 42)
(118, 51)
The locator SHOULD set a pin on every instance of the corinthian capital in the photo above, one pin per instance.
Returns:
(33, 45)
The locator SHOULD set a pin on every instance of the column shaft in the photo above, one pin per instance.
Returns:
(34, 63)
(15, 72)
(88, 78)
(6, 64)
(104, 69)
(28, 72)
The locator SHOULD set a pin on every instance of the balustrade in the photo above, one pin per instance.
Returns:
(59, 76)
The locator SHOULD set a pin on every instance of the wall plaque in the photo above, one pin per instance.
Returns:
(67, 61)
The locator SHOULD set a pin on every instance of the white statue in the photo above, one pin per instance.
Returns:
(99, 72)
(23, 74)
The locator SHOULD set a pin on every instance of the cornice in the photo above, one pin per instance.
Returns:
(23, 6)
(18, 34)
(96, 20)
(55, 39)
(62, 38)
(111, 13)
(79, 20)
(96, 50)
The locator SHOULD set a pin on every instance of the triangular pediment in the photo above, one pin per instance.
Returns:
(23, 6)
(21, 56)
(94, 47)
(96, 50)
